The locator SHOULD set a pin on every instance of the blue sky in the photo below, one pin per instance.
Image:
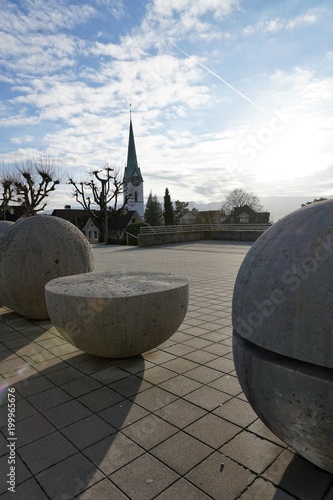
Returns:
(225, 94)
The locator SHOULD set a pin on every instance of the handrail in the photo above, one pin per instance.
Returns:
(127, 233)
(181, 228)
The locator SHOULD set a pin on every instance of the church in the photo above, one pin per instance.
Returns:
(133, 180)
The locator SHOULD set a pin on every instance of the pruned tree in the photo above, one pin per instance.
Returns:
(28, 183)
(7, 193)
(153, 212)
(102, 192)
(168, 212)
(181, 208)
(314, 201)
(239, 198)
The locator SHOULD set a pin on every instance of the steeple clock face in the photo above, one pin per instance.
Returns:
(135, 180)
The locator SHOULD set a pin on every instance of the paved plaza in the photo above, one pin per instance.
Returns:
(172, 424)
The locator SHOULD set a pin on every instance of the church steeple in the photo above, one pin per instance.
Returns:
(133, 180)
(132, 168)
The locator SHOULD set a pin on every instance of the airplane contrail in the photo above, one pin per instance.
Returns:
(225, 82)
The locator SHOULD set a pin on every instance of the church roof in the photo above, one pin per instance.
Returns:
(132, 166)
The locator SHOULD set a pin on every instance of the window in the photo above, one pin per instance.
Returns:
(244, 219)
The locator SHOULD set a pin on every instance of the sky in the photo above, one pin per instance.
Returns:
(224, 94)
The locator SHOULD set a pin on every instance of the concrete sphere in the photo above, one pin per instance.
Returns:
(34, 251)
(117, 314)
(4, 226)
(283, 336)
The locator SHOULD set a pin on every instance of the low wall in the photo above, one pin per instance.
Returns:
(153, 239)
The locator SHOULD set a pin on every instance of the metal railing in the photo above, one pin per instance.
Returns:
(186, 228)
(130, 234)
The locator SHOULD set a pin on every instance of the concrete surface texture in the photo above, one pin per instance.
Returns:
(283, 311)
(171, 424)
(117, 314)
(34, 251)
(4, 226)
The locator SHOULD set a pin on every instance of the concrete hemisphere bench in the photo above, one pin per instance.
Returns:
(117, 314)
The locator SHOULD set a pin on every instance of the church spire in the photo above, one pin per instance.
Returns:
(133, 181)
(132, 168)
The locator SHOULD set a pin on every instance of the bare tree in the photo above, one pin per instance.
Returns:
(239, 198)
(28, 183)
(102, 189)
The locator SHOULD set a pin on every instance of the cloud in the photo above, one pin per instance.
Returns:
(312, 16)
(38, 16)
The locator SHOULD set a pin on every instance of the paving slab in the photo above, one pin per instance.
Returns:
(170, 424)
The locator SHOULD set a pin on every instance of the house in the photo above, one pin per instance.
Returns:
(90, 227)
(201, 217)
(188, 218)
(246, 215)
(118, 225)
(81, 219)
(13, 213)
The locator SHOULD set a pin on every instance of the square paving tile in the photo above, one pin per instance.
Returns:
(154, 398)
(222, 364)
(181, 452)
(180, 365)
(220, 477)
(228, 384)
(81, 386)
(149, 431)
(113, 452)
(123, 414)
(251, 451)
(69, 478)
(259, 428)
(33, 385)
(180, 413)
(28, 489)
(237, 411)
(158, 374)
(299, 477)
(180, 385)
(182, 489)
(144, 478)
(203, 374)
(48, 399)
(104, 490)
(21, 473)
(88, 431)
(207, 397)
(110, 375)
(66, 413)
(46, 451)
(265, 490)
(200, 357)
(213, 430)
(32, 428)
(130, 386)
(100, 399)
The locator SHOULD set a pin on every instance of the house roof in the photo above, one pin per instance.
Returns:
(260, 217)
(121, 222)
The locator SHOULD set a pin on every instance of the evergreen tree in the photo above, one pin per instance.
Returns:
(153, 212)
(168, 212)
(181, 209)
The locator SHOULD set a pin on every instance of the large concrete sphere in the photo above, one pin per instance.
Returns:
(283, 330)
(117, 314)
(34, 251)
(4, 226)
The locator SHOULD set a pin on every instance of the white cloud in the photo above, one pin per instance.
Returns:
(274, 25)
